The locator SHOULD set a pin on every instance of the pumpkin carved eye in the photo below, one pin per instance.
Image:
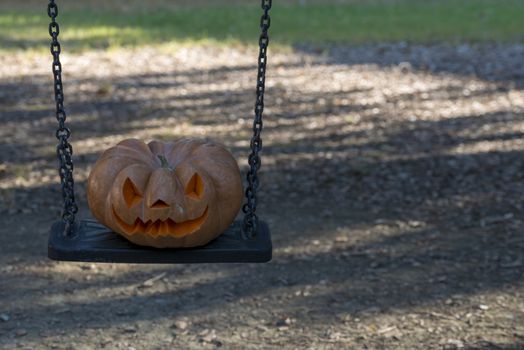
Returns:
(195, 187)
(132, 195)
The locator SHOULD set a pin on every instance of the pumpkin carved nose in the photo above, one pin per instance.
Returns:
(159, 193)
(159, 204)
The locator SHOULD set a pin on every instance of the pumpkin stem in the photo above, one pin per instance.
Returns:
(164, 163)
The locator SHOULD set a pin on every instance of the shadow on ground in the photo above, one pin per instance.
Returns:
(366, 220)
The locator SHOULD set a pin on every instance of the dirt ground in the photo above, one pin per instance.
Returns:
(392, 180)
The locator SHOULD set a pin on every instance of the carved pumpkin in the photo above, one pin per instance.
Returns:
(179, 194)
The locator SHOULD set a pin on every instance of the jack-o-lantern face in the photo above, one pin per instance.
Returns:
(180, 194)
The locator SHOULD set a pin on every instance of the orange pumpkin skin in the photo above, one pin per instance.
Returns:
(166, 195)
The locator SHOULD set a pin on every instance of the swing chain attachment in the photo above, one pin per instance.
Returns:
(250, 224)
(64, 150)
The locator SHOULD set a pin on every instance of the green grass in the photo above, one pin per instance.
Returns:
(356, 22)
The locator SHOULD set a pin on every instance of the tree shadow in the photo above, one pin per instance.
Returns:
(493, 346)
(492, 62)
(447, 256)
(391, 217)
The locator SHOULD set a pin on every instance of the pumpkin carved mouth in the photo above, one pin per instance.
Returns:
(162, 227)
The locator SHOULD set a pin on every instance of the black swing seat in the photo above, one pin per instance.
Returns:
(93, 242)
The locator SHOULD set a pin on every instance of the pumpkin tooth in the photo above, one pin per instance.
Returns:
(158, 225)
(143, 225)
(171, 226)
(165, 228)
(136, 225)
(153, 228)
(148, 227)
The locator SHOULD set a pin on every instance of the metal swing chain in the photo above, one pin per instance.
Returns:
(64, 150)
(250, 224)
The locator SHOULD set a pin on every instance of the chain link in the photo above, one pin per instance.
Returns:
(64, 150)
(250, 224)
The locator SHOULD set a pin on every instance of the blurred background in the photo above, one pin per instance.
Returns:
(392, 178)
